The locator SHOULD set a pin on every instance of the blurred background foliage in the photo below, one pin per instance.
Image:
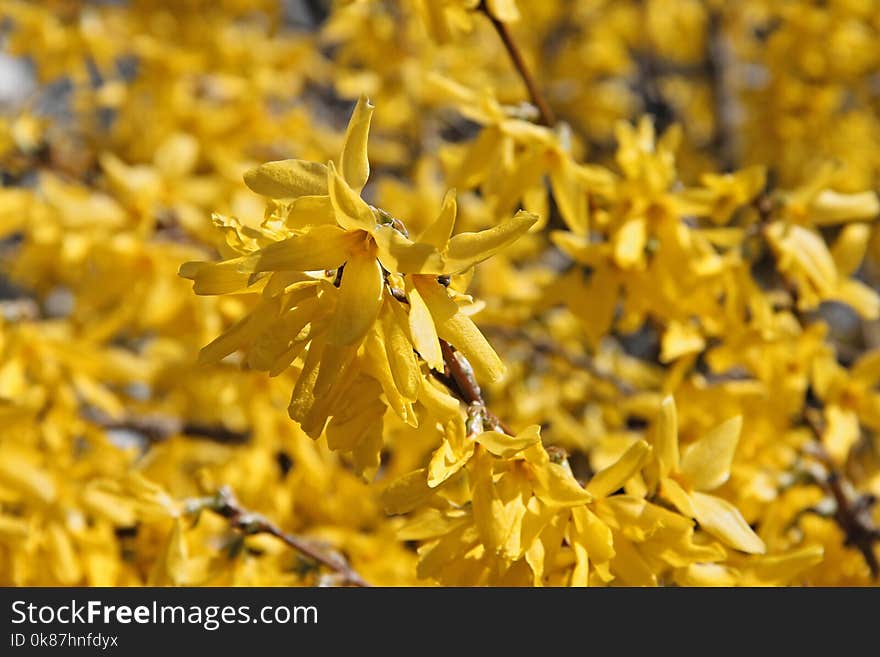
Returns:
(125, 124)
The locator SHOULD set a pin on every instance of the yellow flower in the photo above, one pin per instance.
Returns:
(685, 478)
(326, 225)
(823, 274)
(849, 400)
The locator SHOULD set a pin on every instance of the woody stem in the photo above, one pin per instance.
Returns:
(461, 381)
(250, 523)
(547, 117)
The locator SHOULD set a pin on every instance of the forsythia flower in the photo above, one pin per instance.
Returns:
(685, 478)
(385, 295)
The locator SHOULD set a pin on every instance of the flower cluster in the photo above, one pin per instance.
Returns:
(400, 292)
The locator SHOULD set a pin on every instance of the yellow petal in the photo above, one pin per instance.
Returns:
(354, 163)
(705, 574)
(406, 493)
(467, 249)
(13, 529)
(672, 491)
(705, 464)
(63, 561)
(21, 473)
(288, 179)
(589, 534)
(423, 331)
(849, 248)
(576, 247)
(781, 569)
(269, 351)
(177, 155)
(506, 446)
(334, 361)
(439, 403)
(680, 339)
(629, 243)
(448, 552)
(505, 11)
(596, 534)
(429, 523)
(629, 565)
(580, 574)
(240, 334)
(448, 460)
(216, 277)
(343, 370)
(724, 521)
(479, 159)
(439, 232)
(555, 486)
(352, 212)
(863, 298)
(309, 211)
(399, 254)
(806, 249)
(866, 369)
(841, 432)
(452, 325)
(362, 415)
(831, 207)
(666, 438)
(378, 365)
(435, 19)
(360, 297)
(594, 302)
(499, 508)
(617, 474)
(176, 557)
(116, 509)
(322, 247)
(367, 456)
(401, 358)
(570, 196)
(302, 398)
(535, 555)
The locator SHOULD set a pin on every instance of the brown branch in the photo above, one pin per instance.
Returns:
(462, 374)
(337, 280)
(717, 65)
(459, 378)
(852, 515)
(547, 117)
(157, 428)
(250, 523)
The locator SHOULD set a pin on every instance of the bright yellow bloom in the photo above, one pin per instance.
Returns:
(385, 296)
(686, 477)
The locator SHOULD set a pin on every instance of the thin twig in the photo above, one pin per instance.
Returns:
(157, 428)
(250, 523)
(852, 518)
(851, 515)
(717, 65)
(547, 117)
